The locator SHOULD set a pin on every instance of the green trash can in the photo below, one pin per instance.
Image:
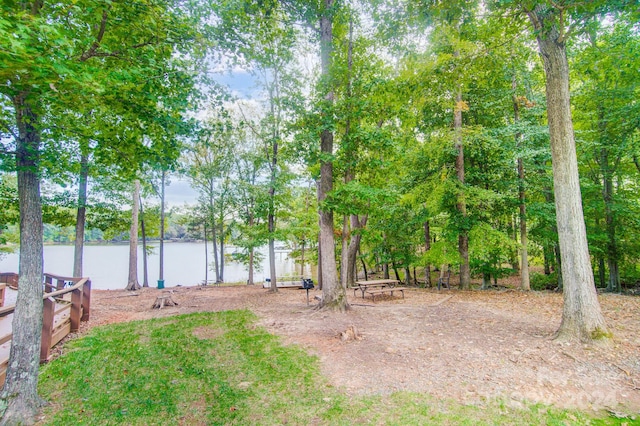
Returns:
(160, 284)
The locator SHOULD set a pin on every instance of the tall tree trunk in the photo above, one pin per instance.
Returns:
(222, 235)
(514, 254)
(20, 392)
(463, 236)
(364, 266)
(78, 250)
(145, 265)
(214, 236)
(319, 260)
(302, 259)
(427, 247)
(251, 254)
(271, 218)
(612, 245)
(206, 255)
(524, 256)
(162, 218)
(271, 226)
(133, 283)
(251, 267)
(581, 317)
(334, 295)
(351, 238)
(558, 268)
(407, 275)
(601, 271)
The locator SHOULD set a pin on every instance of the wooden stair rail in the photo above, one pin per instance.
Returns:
(52, 333)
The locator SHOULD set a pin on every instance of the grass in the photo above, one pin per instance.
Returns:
(219, 368)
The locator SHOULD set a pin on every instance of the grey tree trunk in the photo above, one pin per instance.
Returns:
(350, 246)
(133, 283)
(463, 236)
(524, 256)
(271, 219)
(20, 392)
(161, 260)
(251, 260)
(613, 284)
(80, 216)
(214, 237)
(334, 295)
(206, 255)
(251, 254)
(581, 317)
(145, 269)
(221, 278)
(427, 247)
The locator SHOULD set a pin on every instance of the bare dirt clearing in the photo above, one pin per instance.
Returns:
(469, 346)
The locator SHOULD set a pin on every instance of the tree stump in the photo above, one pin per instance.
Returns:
(164, 300)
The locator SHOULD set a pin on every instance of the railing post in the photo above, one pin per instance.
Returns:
(59, 284)
(48, 283)
(48, 312)
(76, 309)
(86, 300)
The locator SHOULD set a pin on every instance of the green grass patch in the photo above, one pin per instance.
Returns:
(219, 368)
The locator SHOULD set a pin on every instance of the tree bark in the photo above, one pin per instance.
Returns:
(206, 254)
(221, 278)
(610, 220)
(427, 247)
(251, 253)
(133, 283)
(334, 295)
(162, 218)
(80, 216)
(214, 237)
(145, 269)
(463, 236)
(271, 219)
(581, 317)
(20, 392)
(351, 244)
(524, 256)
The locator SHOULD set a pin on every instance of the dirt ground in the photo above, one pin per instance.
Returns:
(469, 346)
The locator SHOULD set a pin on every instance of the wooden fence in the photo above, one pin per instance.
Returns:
(67, 301)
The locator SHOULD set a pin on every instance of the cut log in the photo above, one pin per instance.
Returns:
(164, 300)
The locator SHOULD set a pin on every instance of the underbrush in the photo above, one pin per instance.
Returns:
(219, 368)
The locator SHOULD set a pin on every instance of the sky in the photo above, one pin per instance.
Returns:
(242, 85)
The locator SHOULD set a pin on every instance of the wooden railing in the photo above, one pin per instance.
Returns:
(69, 294)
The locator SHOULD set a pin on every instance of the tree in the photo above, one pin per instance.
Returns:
(333, 292)
(132, 283)
(209, 163)
(581, 315)
(55, 57)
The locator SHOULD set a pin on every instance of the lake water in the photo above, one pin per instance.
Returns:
(184, 264)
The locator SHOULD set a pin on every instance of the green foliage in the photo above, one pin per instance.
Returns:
(540, 282)
(490, 250)
(441, 253)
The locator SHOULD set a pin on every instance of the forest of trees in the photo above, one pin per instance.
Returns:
(482, 136)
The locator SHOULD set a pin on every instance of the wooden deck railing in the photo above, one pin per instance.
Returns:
(65, 304)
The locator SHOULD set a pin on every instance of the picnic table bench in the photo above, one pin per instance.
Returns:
(390, 290)
(377, 287)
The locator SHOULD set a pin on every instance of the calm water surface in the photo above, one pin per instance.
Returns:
(184, 264)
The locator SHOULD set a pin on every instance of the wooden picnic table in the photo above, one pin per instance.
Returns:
(363, 286)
